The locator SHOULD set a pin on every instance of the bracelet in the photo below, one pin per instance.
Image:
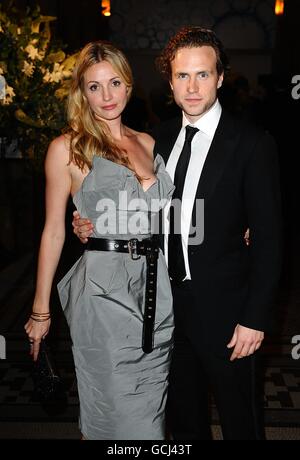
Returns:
(40, 320)
(40, 317)
(40, 314)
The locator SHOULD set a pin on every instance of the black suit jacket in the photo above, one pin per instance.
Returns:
(233, 283)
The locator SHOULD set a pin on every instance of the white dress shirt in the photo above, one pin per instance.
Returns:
(207, 125)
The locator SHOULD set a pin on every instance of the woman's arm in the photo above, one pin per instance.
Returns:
(58, 187)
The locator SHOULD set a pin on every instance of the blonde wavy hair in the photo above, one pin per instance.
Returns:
(88, 136)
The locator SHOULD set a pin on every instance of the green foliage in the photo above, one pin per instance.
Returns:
(36, 73)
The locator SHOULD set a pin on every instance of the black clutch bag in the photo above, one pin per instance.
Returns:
(48, 385)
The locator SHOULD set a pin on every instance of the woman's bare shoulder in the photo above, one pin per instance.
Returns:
(145, 137)
(140, 135)
(61, 142)
(58, 154)
(145, 140)
(60, 148)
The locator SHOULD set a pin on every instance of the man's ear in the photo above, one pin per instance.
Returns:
(220, 81)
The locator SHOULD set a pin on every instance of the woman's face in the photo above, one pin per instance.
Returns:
(106, 92)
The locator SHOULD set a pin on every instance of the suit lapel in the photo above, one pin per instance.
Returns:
(167, 139)
(222, 146)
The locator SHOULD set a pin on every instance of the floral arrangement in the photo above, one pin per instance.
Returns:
(34, 77)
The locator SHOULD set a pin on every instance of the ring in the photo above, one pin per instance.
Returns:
(31, 342)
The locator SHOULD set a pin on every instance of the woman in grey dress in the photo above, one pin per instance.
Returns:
(117, 297)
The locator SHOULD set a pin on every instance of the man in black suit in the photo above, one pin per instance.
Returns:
(222, 288)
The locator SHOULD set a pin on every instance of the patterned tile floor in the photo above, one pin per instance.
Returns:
(17, 401)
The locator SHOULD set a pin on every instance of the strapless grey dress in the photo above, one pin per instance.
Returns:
(122, 390)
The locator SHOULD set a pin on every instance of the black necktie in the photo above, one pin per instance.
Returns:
(175, 253)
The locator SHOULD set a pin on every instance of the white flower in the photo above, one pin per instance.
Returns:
(33, 52)
(9, 91)
(9, 95)
(57, 74)
(47, 78)
(28, 68)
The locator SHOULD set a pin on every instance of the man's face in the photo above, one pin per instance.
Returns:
(195, 80)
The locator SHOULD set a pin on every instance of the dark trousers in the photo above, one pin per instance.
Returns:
(197, 369)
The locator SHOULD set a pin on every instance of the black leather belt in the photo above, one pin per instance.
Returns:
(150, 249)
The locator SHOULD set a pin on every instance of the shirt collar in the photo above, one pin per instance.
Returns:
(208, 122)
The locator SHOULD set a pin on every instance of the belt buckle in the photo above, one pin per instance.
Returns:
(132, 248)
